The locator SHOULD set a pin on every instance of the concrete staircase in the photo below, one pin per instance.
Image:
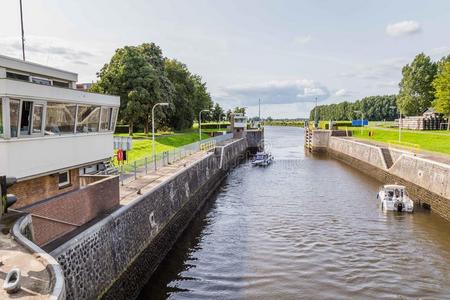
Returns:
(387, 157)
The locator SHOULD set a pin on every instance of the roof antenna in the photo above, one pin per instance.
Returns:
(23, 34)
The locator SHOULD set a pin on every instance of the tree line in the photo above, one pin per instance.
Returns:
(424, 84)
(142, 77)
(375, 108)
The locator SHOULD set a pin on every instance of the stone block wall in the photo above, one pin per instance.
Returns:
(115, 257)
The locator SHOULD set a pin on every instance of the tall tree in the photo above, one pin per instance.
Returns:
(217, 113)
(201, 99)
(130, 76)
(161, 88)
(183, 115)
(442, 87)
(416, 88)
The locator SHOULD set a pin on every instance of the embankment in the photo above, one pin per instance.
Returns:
(426, 180)
(116, 256)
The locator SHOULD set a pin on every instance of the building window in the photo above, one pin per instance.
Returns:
(106, 119)
(14, 109)
(63, 179)
(88, 118)
(25, 118)
(17, 76)
(114, 118)
(60, 84)
(38, 111)
(41, 81)
(1, 117)
(60, 118)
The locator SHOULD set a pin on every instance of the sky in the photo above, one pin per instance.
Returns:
(286, 53)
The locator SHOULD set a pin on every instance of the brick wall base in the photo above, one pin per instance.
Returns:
(419, 195)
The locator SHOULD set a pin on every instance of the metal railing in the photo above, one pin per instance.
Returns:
(147, 165)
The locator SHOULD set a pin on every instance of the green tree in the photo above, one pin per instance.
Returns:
(161, 87)
(129, 76)
(217, 113)
(239, 110)
(416, 89)
(182, 116)
(441, 85)
(201, 99)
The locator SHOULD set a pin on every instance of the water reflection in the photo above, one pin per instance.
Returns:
(305, 227)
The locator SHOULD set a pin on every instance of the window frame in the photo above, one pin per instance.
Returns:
(44, 112)
(66, 183)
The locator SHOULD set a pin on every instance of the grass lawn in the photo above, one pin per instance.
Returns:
(421, 140)
(142, 144)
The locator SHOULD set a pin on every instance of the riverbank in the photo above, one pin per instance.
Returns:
(115, 256)
(433, 141)
(308, 227)
(142, 145)
(426, 179)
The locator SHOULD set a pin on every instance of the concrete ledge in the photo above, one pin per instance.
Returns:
(52, 266)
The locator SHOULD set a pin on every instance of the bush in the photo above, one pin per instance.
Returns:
(122, 129)
(215, 125)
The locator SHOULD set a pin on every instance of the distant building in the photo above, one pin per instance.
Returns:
(52, 137)
(238, 125)
(429, 120)
(83, 86)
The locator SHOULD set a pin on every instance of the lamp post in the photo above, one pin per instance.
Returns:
(200, 123)
(153, 129)
(362, 119)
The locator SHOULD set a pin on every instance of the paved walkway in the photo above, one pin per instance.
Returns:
(442, 158)
(144, 183)
(36, 281)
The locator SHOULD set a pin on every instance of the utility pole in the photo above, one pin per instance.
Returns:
(23, 33)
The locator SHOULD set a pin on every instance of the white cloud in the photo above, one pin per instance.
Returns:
(381, 70)
(274, 92)
(403, 28)
(302, 40)
(341, 93)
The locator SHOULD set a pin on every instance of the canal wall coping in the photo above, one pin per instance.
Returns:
(19, 230)
(115, 257)
(426, 180)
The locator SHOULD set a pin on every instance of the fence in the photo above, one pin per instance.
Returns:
(147, 165)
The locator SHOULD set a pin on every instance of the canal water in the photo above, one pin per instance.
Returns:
(304, 228)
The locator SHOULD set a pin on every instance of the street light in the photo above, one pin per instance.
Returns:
(362, 119)
(200, 122)
(153, 129)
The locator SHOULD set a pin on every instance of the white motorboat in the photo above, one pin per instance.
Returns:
(262, 159)
(395, 198)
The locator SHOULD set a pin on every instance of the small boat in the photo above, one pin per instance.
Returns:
(262, 159)
(395, 198)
